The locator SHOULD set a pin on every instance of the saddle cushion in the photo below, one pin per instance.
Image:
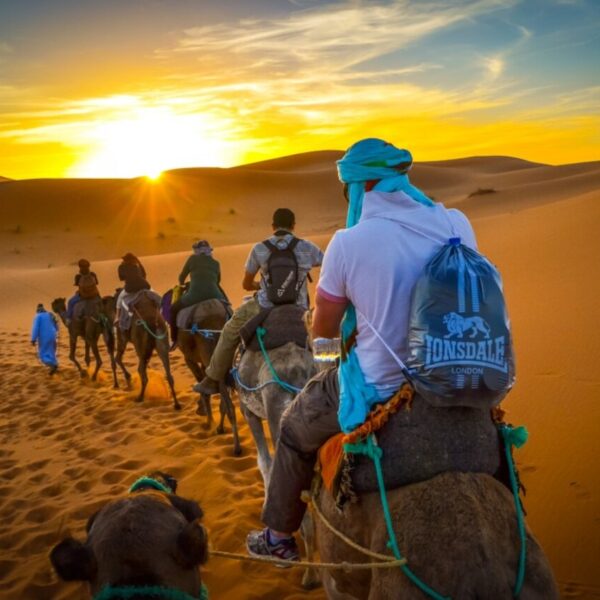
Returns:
(423, 441)
(283, 324)
(129, 300)
(88, 307)
(196, 313)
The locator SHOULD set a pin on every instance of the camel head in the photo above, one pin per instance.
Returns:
(59, 305)
(109, 306)
(149, 538)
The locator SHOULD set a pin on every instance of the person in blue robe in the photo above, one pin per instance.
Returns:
(44, 333)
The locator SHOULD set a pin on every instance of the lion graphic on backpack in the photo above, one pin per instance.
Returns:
(458, 325)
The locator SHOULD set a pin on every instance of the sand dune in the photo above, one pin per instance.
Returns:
(67, 445)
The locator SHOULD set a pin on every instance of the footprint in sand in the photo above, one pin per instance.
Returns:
(132, 465)
(89, 453)
(114, 477)
(581, 493)
(10, 474)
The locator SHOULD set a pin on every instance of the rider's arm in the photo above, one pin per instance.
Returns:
(251, 269)
(184, 272)
(328, 316)
(248, 282)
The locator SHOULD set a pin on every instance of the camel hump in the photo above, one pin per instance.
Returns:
(198, 313)
(282, 324)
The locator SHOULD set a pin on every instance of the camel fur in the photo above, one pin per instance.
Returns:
(145, 539)
(458, 532)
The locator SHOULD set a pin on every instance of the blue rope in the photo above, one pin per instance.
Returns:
(154, 335)
(206, 333)
(370, 448)
(516, 436)
(146, 481)
(288, 387)
(124, 592)
(236, 376)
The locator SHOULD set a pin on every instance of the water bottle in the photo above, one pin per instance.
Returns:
(326, 352)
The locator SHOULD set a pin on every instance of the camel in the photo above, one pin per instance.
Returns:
(148, 544)
(197, 349)
(295, 366)
(148, 332)
(458, 532)
(94, 322)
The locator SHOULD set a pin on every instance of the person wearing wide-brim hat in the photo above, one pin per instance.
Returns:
(205, 279)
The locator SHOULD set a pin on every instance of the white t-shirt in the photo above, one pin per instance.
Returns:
(376, 264)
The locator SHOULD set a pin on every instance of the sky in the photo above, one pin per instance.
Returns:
(122, 88)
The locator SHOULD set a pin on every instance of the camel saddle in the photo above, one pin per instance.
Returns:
(195, 314)
(283, 324)
(87, 307)
(129, 301)
(419, 441)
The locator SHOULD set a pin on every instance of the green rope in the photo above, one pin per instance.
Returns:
(370, 448)
(150, 482)
(125, 592)
(516, 436)
(260, 332)
(154, 335)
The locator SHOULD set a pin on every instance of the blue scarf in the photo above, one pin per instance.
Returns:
(367, 160)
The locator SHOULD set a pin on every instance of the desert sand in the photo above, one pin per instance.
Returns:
(68, 445)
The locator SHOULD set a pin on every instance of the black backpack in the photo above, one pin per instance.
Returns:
(282, 279)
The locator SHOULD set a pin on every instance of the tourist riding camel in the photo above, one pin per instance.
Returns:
(205, 278)
(284, 262)
(132, 273)
(43, 334)
(373, 266)
(86, 282)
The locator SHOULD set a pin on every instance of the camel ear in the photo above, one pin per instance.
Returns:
(188, 508)
(192, 545)
(73, 561)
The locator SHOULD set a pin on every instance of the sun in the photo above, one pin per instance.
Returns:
(147, 140)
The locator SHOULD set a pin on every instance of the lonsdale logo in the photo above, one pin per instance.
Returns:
(451, 350)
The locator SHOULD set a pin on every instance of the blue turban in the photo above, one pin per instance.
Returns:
(367, 160)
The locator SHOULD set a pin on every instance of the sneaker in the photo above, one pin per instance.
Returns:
(258, 544)
(207, 386)
(53, 369)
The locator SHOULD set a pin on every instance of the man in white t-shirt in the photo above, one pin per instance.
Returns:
(374, 265)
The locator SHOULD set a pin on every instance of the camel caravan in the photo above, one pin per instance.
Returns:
(390, 454)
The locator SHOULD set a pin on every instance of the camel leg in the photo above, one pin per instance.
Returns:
(72, 357)
(87, 358)
(109, 341)
(204, 401)
(204, 408)
(142, 370)
(97, 358)
(121, 345)
(263, 456)
(228, 407)
(310, 579)
(162, 349)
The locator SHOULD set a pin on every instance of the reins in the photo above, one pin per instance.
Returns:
(145, 325)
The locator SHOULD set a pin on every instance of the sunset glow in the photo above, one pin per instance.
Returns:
(196, 85)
